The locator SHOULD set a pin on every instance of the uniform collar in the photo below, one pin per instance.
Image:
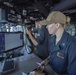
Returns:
(61, 43)
(63, 38)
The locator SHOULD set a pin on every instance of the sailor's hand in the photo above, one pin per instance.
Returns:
(42, 65)
(28, 31)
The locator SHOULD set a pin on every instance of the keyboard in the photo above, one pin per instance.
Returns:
(8, 66)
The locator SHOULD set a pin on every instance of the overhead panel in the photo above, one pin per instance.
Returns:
(41, 8)
(64, 5)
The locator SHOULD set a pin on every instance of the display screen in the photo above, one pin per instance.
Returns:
(10, 41)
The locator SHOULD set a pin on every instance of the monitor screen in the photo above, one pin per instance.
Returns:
(11, 41)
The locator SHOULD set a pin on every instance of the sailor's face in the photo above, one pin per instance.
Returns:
(51, 28)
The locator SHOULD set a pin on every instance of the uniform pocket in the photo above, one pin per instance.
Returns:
(59, 62)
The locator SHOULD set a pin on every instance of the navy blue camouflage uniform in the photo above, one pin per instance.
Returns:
(63, 54)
